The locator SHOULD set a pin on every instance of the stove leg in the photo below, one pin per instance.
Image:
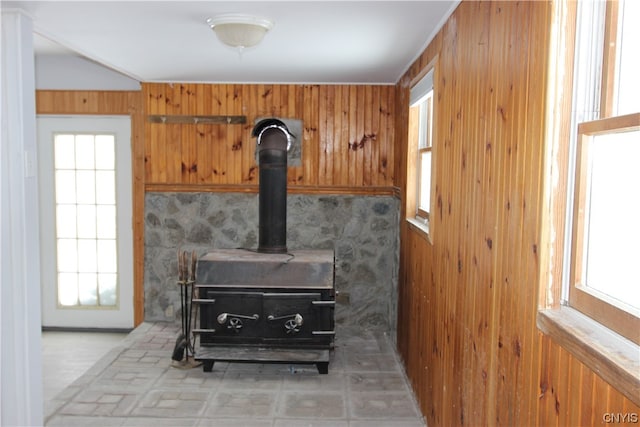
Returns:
(323, 367)
(207, 365)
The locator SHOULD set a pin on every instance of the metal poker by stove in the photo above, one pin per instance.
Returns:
(186, 279)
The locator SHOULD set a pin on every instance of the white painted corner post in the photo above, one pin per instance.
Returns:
(21, 394)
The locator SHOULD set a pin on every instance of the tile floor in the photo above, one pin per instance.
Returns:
(133, 384)
(68, 355)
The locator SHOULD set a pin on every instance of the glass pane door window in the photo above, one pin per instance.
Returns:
(85, 209)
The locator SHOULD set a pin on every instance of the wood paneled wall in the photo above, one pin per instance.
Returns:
(347, 134)
(347, 144)
(112, 103)
(468, 299)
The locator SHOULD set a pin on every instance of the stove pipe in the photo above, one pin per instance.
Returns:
(274, 140)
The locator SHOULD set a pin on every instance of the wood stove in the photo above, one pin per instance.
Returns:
(257, 307)
(269, 304)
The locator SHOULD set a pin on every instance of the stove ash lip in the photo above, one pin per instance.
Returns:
(273, 142)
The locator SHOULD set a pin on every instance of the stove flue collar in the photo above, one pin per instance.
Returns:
(263, 125)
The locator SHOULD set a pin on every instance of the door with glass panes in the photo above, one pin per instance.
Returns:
(85, 221)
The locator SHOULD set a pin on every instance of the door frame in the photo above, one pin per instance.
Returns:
(99, 318)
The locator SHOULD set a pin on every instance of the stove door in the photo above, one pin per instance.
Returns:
(293, 318)
(236, 317)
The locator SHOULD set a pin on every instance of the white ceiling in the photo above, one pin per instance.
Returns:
(311, 42)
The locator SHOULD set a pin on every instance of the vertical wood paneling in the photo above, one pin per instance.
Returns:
(333, 151)
(221, 162)
(344, 141)
(234, 137)
(216, 136)
(359, 141)
(468, 298)
(203, 147)
(347, 141)
(312, 141)
(380, 158)
(324, 175)
(191, 137)
(247, 168)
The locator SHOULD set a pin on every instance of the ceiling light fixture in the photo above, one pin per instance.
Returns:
(240, 31)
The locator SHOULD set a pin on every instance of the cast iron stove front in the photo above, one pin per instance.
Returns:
(258, 307)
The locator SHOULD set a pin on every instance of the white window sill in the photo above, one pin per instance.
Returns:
(611, 356)
(420, 227)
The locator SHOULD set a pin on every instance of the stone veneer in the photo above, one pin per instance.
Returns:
(362, 230)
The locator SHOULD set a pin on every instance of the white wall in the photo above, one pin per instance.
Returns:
(20, 345)
(69, 72)
(21, 398)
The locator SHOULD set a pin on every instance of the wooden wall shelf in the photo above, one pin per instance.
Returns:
(197, 120)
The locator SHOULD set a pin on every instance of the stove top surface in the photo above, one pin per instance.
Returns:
(247, 268)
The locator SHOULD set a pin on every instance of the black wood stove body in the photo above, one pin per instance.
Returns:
(257, 307)
(271, 304)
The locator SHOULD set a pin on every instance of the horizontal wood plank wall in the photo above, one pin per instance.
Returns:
(347, 142)
(112, 103)
(468, 301)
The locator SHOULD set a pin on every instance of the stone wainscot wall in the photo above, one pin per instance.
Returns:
(363, 231)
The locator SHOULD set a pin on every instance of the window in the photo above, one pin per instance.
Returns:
(85, 206)
(603, 233)
(419, 171)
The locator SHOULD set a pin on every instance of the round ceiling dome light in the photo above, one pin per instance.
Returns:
(239, 30)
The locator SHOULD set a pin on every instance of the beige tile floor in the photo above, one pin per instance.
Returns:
(133, 384)
(68, 355)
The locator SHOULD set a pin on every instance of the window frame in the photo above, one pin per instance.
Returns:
(426, 136)
(609, 59)
(594, 97)
(422, 88)
(607, 311)
(613, 357)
